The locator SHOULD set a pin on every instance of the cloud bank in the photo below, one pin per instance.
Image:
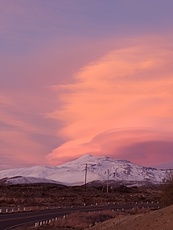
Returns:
(129, 91)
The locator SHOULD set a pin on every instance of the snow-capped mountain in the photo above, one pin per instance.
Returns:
(98, 168)
(25, 180)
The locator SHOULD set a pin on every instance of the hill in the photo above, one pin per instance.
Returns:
(157, 220)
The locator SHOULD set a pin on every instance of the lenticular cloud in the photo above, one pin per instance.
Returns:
(130, 88)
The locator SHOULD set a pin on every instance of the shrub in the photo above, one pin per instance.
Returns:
(167, 196)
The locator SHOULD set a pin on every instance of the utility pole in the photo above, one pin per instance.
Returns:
(108, 182)
(85, 176)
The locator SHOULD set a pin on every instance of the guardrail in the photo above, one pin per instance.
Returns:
(138, 206)
(114, 207)
(4, 210)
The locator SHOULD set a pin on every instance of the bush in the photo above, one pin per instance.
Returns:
(167, 196)
(123, 189)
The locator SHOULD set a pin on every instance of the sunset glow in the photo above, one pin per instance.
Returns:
(80, 78)
(122, 99)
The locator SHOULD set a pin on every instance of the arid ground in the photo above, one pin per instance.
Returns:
(61, 196)
(52, 195)
(155, 220)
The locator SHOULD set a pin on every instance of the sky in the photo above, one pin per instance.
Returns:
(86, 77)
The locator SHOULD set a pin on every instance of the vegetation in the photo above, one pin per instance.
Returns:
(167, 197)
(51, 195)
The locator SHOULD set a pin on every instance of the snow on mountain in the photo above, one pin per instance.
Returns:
(35, 171)
(25, 180)
(98, 168)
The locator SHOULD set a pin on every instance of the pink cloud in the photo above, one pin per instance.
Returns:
(16, 144)
(27, 134)
(149, 153)
(145, 147)
(130, 88)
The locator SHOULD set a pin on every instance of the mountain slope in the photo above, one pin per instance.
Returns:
(25, 180)
(98, 168)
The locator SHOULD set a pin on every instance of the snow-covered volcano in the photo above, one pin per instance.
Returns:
(98, 168)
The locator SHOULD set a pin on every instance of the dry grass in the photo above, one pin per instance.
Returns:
(155, 220)
(77, 221)
(167, 189)
(83, 220)
(61, 196)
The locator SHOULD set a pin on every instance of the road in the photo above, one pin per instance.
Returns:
(7, 221)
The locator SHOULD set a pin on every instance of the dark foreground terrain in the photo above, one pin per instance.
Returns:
(40, 196)
(156, 220)
(62, 196)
